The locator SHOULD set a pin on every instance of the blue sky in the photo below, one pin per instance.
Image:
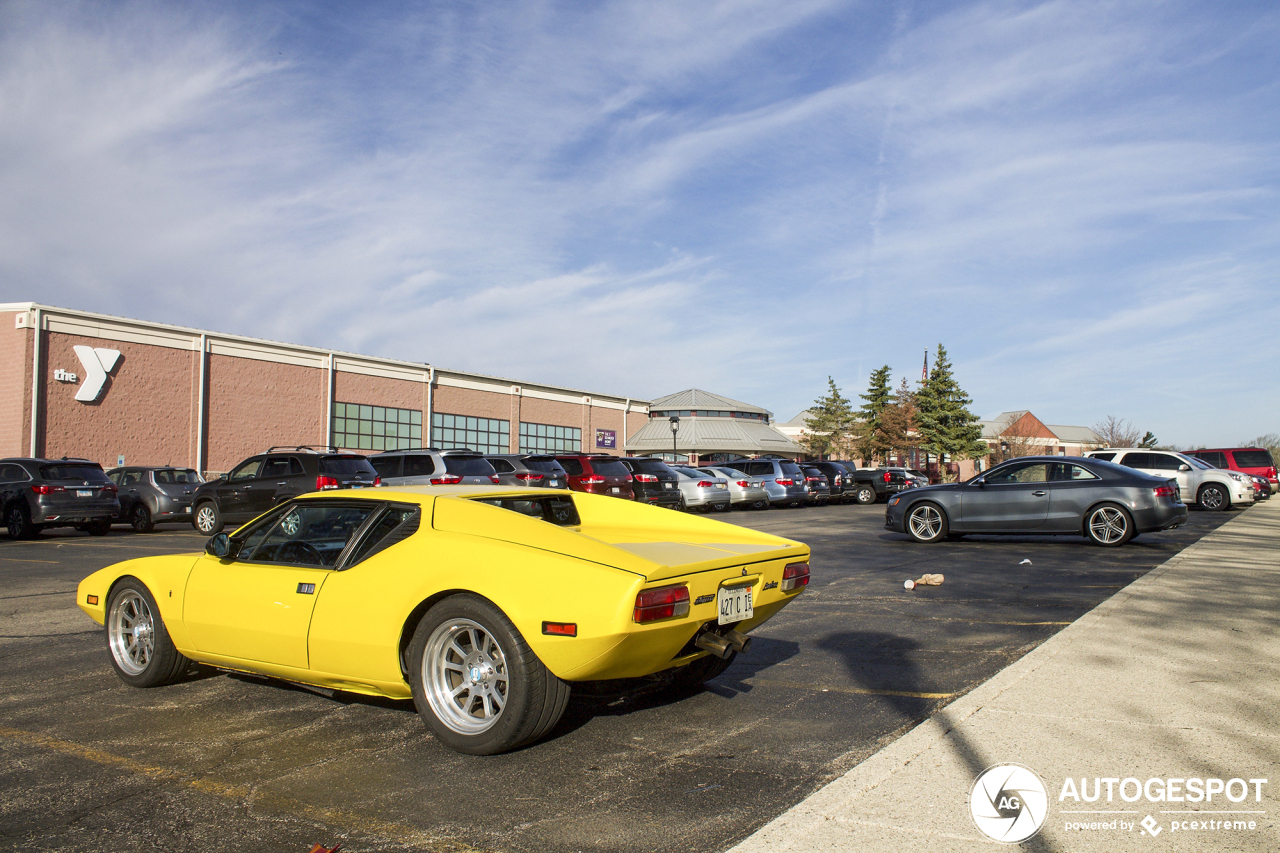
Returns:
(1078, 199)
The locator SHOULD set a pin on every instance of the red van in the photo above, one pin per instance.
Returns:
(1251, 460)
(601, 475)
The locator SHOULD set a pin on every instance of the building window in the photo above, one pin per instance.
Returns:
(546, 438)
(486, 435)
(360, 427)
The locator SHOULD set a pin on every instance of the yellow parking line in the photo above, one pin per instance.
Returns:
(18, 560)
(339, 819)
(860, 691)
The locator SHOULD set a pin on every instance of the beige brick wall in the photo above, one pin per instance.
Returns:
(15, 386)
(146, 411)
(379, 391)
(255, 404)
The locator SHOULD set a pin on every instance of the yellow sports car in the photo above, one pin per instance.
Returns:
(483, 605)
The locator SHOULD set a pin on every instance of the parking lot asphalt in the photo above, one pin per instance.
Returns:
(230, 762)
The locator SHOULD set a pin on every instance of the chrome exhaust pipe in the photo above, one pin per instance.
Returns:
(712, 642)
(740, 641)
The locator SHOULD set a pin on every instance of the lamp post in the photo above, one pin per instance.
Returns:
(675, 427)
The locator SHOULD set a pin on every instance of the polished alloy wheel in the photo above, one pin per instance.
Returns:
(1212, 498)
(925, 521)
(206, 518)
(464, 673)
(1108, 525)
(131, 632)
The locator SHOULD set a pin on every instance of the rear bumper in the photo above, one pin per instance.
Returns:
(1149, 520)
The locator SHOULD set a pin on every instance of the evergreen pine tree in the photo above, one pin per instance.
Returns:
(946, 426)
(829, 422)
(871, 435)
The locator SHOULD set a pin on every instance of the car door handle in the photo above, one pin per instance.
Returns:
(282, 483)
(1040, 493)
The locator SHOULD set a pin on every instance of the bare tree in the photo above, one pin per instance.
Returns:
(1115, 432)
(898, 422)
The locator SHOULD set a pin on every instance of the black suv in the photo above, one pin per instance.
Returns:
(40, 493)
(838, 478)
(653, 482)
(260, 482)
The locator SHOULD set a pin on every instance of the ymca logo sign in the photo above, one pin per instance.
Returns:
(98, 362)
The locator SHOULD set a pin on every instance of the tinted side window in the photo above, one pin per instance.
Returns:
(1217, 459)
(557, 510)
(1030, 472)
(571, 466)
(1138, 460)
(1252, 458)
(275, 466)
(12, 474)
(246, 471)
(395, 525)
(1105, 456)
(1165, 462)
(419, 465)
(388, 467)
(502, 466)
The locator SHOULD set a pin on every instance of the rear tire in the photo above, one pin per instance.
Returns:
(1108, 525)
(18, 518)
(137, 640)
(494, 696)
(140, 518)
(865, 495)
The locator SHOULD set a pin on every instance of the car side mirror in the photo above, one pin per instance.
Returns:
(980, 482)
(1184, 467)
(222, 546)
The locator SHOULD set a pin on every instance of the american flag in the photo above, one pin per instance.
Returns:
(924, 373)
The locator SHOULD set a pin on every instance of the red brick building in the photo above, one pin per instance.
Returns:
(109, 388)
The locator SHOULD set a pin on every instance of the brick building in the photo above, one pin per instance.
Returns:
(109, 388)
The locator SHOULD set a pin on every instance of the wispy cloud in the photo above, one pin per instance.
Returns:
(640, 197)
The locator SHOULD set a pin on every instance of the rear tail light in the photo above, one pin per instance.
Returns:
(795, 575)
(646, 478)
(838, 481)
(110, 487)
(784, 481)
(664, 602)
(1165, 491)
(47, 490)
(377, 481)
(446, 480)
(886, 476)
(323, 482)
(813, 479)
(706, 484)
(592, 480)
(495, 479)
(744, 484)
(560, 629)
(527, 478)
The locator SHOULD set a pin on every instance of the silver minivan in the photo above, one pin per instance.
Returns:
(431, 467)
(529, 469)
(783, 479)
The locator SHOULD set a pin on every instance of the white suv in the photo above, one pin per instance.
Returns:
(1198, 482)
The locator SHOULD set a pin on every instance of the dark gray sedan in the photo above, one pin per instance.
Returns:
(1108, 503)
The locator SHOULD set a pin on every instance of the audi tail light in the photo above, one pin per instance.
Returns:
(324, 482)
(665, 602)
(794, 576)
(529, 477)
(446, 480)
(1165, 491)
(646, 478)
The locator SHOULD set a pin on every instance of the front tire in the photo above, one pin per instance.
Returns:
(207, 519)
(141, 651)
(476, 683)
(1213, 497)
(926, 522)
(1108, 525)
(865, 495)
(140, 518)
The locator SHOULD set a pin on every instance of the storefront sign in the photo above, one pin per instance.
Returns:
(606, 438)
(97, 362)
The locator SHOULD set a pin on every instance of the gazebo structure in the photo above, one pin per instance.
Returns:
(698, 426)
